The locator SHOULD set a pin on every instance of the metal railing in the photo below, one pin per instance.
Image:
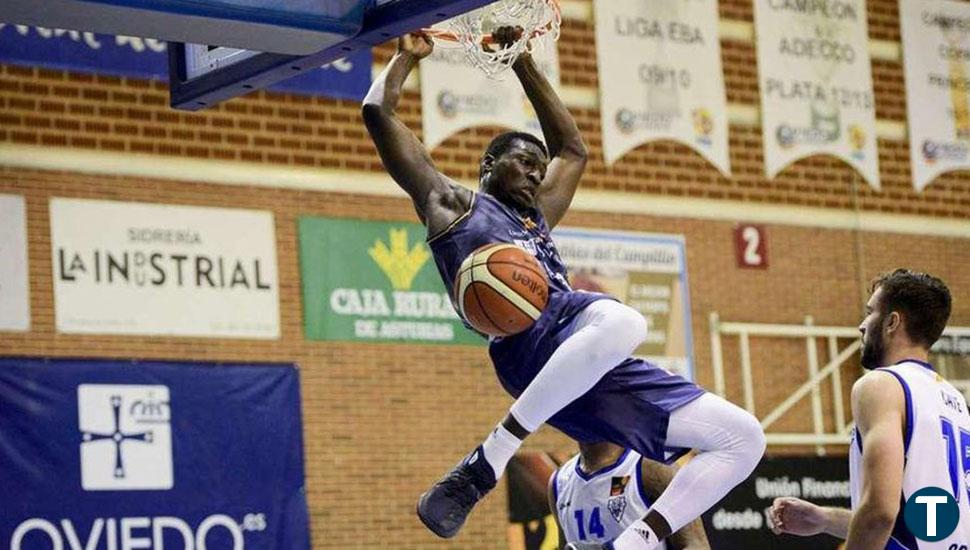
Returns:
(817, 374)
(949, 365)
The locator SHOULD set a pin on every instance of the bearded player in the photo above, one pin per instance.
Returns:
(912, 426)
(572, 368)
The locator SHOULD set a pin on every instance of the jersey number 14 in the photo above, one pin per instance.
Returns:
(595, 525)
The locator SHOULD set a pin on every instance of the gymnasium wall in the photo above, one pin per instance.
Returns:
(383, 421)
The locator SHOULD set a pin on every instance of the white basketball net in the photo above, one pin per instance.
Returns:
(472, 32)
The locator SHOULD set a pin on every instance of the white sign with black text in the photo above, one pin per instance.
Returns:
(134, 268)
(14, 286)
(816, 84)
(936, 61)
(660, 77)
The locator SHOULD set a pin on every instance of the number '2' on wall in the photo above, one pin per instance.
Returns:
(751, 246)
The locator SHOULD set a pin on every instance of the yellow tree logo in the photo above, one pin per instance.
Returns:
(399, 263)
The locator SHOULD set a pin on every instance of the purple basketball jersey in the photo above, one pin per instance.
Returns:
(631, 405)
(488, 221)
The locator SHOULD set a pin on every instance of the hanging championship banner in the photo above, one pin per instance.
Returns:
(14, 286)
(118, 455)
(455, 95)
(816, 84)
(936, 57)
(134, 268)
(644, 271)
(370, 281)
(660, 77)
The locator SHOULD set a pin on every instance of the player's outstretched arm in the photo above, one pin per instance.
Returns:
(403, 155)
(879, 409)
(794, 516)
(567, 150)
(656, 477)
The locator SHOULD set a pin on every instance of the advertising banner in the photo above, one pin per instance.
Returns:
(14, 282)
(109, 454)
(644, 271)
(455, 95)
(347, 78)
(740, 520)
(162, 270)
(660, 77)
(816, 84)
(374, 281)
(936, 61)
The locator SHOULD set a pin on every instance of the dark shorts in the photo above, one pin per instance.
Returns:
(630, 406)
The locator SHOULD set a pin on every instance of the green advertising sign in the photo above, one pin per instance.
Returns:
(374, 281)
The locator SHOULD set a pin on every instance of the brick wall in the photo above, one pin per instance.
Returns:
(384, 421)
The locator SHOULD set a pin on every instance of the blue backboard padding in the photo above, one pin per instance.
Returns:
(382, 22)
(342, 17)
(139, 58)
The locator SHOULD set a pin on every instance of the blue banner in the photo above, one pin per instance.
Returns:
(111, 455)
(347, 78)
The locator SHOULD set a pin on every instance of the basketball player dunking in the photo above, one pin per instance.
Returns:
(911, 426)
(572, 368)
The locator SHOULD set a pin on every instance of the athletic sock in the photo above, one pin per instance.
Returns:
(638, 536)
(499, 447)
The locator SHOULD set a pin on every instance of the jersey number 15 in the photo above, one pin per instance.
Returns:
(949, 436)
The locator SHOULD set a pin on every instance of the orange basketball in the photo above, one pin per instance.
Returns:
(501, 289)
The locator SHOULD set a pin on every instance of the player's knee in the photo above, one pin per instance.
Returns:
(741, 433)
(625, 325)
(749, 439)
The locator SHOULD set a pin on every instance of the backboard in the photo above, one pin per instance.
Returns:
(203, 75)
(296, 27)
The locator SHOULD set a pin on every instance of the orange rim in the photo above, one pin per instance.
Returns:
(488, 40)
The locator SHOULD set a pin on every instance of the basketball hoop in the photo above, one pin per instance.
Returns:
(472, 32)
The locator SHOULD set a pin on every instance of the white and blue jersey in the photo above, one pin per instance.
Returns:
(631, 405)
(598, 506)
(937, 451)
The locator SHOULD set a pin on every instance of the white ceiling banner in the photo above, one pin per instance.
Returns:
(816, 84)
(936, 62)
(455, 95)
(14, 283)
(660, 77)
(163, 270)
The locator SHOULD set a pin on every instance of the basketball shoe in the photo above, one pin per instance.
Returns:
(444, 507)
